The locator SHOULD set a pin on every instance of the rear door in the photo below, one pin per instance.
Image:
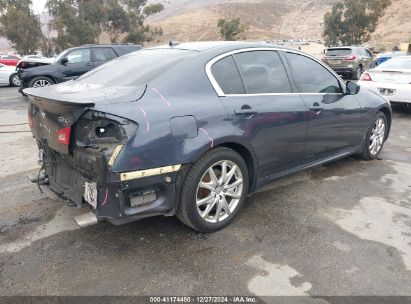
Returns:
(79, 62)
(334, 122)
(261, 103)
(366, 58)
(102, 54)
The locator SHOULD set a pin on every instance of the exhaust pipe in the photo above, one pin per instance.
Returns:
(86, 219)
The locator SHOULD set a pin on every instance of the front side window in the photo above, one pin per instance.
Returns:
(312, 77)
(79, 56)
(263, 72)
(227, 76)
(104, 54)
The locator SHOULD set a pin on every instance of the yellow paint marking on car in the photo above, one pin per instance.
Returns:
(149, 172)
(116, 152)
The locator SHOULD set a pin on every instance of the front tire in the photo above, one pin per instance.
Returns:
(375, 138)
(214, 190)
(15, 80)
(41, 81)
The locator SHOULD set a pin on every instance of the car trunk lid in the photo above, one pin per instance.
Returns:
(54, 110)
(398, 76)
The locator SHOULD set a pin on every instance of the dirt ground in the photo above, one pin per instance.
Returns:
(340, 229)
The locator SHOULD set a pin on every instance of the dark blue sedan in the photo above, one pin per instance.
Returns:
(190, 129)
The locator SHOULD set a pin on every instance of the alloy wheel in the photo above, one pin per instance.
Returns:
(377, 136)
(41, 83)
(219, 191)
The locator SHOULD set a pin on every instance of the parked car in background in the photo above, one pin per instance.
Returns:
(381, 58)
(190, 129)
(10, 60)
(9, 76)
(73, 63)
(391, 79)
(348, 61)
(32, 61)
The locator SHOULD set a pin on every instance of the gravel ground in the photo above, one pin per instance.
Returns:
(340, 229)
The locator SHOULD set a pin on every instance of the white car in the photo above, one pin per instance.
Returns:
(391, 79)
(9, 76)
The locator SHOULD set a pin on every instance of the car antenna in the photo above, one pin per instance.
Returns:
(173, 43)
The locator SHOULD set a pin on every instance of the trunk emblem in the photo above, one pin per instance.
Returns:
(65, 120)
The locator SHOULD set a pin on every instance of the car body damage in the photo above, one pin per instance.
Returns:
(123, 143)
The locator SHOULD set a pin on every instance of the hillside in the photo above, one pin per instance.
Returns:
(197, 20)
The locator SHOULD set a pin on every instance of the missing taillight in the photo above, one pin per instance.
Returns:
(63, 136)
(107, 130)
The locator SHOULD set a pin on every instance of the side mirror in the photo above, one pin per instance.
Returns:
(352, 88)
(64, 60)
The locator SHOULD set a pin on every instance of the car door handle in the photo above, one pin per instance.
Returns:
(316, 107)
(245, 112)
(89, 64)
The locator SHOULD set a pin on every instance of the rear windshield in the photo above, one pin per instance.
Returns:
(136, 68)
(338, 52)
(396, 63)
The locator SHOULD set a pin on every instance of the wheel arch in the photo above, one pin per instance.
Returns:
(388, 114)
(246, 153)
(46, 75)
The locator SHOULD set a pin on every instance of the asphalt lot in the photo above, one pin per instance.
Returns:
(341, 229)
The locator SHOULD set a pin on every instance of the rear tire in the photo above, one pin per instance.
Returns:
(214, 190)
(358, 73)
(375, 138)
(41, 81)
(15, 80)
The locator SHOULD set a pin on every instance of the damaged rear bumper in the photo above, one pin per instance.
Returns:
(120, 198)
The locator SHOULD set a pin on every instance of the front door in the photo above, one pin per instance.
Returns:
(261, 104)
(334, 119)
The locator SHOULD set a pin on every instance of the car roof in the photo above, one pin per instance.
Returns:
(346, 47)
(202, 46)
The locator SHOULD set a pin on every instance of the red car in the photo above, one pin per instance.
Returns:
(9, 60)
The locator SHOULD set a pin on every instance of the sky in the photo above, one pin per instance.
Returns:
(38, 6)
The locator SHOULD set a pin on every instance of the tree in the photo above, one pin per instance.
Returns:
(232, 29)
(116, 20)
(81, 21)
(351, 22)
(77, 22)
(20, 26)
(138, 31)
(153, 9)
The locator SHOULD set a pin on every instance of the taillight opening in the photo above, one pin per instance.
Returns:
(63, 136)
(366, 77)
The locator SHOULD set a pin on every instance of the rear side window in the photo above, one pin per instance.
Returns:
(263, 72)
(136, 68)
(226, 74)
(338, 52)
(104, 54)
(312, 77)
